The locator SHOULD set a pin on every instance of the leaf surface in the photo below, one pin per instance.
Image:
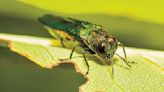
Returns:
(146, 75)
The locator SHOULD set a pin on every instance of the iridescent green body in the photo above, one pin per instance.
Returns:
(91, 37)
(68, 25)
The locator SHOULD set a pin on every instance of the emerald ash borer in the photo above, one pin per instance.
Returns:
(90, 37)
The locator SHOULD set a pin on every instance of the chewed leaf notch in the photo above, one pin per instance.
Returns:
(144, 76)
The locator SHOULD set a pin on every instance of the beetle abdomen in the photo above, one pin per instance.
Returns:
(68, 25)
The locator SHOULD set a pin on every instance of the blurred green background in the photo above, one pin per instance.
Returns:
(17, 74)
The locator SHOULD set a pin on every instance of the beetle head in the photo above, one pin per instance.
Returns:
(107, 48)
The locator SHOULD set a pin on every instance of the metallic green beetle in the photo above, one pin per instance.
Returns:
(90, 37)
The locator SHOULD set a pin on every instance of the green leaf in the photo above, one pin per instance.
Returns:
(146, 75)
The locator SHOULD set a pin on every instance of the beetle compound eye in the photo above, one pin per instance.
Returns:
(101, 48)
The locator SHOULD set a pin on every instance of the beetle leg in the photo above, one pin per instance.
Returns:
(62, 42)
(123, 48)
(84, 56)
(73, 49)
(125, 61)
(112, 68)
(84, 52)
(125, 57)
